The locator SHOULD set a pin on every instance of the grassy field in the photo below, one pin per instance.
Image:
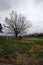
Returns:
(27, 51)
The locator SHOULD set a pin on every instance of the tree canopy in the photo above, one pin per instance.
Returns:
(17, 24)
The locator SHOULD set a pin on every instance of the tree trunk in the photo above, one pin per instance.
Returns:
(16, 35)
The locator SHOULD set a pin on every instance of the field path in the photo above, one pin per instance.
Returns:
(5, 64)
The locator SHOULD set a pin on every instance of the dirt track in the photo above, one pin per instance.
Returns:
(5, 64)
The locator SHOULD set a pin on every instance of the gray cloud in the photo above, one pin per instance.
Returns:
(38, 1)
(32, 9)
(8, 4)
(5, 5)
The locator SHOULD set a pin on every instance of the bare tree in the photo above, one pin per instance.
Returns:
(17, 24)
(0, 28)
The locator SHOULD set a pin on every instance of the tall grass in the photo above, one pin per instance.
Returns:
(11, 48)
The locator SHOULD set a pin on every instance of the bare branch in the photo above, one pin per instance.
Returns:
(17, 24)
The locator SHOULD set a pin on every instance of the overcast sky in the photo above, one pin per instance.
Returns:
(31, 9)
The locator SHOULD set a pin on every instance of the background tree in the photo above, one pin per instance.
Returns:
(17, 24)
(0, 28)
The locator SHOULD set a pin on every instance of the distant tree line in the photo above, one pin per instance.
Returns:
(35, 35)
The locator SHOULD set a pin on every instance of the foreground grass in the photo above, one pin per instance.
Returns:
(23, 50)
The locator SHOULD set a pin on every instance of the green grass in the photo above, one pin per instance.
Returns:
(11, 48)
